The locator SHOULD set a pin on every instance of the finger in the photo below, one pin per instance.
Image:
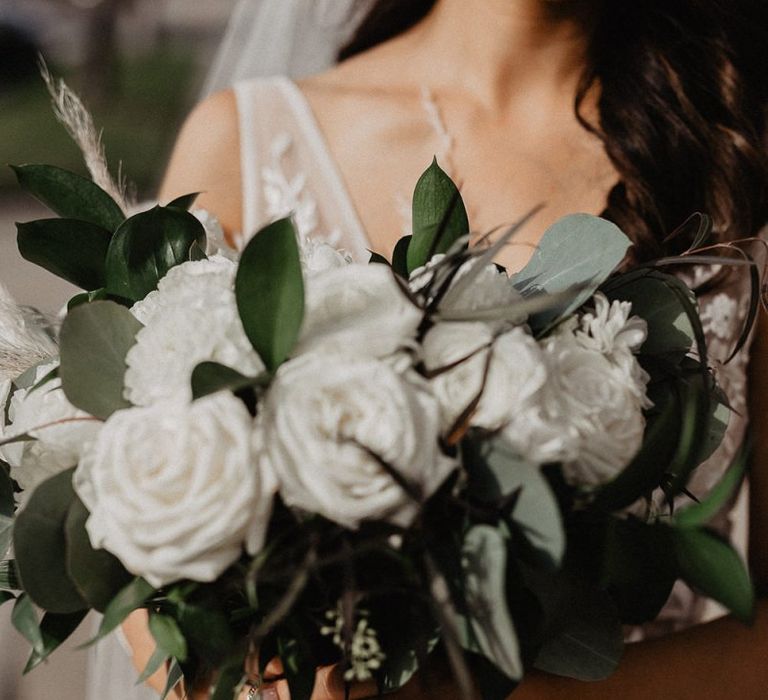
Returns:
(330, 685)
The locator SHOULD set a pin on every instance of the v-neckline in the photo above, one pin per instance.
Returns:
(310, 125)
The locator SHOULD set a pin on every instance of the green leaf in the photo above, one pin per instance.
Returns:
(6, 596)
(54, 630)
(400, 256)
(484, 560)
(168, 636)
(497, 472)
(86, 298)
(98, 575)
(69, 195)
(701, 513)
(298, 664)
(589, 642)
(378, 259)
(175, 676)
(130, 598)
(94, 342)
(146, 246)
(207, 631)
(184, 202)
(24, 619)
(210, 377)
(48, 377)
(712, 566)
(7, 495)
(439, 216)
(40, 547)
(155, 663)
(229, 681)
(578, 251)
(635, 556)
(72, 250)
(269, 288)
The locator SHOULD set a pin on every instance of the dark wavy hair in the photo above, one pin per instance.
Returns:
(682, 108)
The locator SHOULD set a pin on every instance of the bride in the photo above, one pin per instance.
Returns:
(641, 112)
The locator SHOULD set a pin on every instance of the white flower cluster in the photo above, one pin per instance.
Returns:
(576, 397)
(364, 654)
(348, 428)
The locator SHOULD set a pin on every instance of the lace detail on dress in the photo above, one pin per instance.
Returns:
(286, 196)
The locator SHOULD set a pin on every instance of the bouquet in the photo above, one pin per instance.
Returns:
(289, 453)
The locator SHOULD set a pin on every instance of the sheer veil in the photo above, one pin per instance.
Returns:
(282, 37)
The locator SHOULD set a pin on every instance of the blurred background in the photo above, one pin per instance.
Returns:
(139, 66)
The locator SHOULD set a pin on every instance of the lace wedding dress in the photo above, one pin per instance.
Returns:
(287, 168)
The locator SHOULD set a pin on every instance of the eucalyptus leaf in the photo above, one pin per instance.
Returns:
(496, 472)
(269, 288)
(86, 298)
(73, 250)
(577, 251)
(146, 246)
(40, 547)
(439, 216)
(485, 563)
(709, 564)
(25, 621)
(6, 534)
(69, 195)
(54, 630)
(130, 598)
(154, 664)
(589, 643)
(168, 636)
(94, 342)
(98, 575)
(175, 676)
(656, 298)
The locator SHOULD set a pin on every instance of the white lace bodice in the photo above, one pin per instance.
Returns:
(288, 168)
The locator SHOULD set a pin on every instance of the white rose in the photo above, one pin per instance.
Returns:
(601, 401)
(190, 318)
(516, 372)
(216, 241)
(490, 289)
(325, 418)
(175, 490)
(61, 431)
(357, 309)
(318, 256)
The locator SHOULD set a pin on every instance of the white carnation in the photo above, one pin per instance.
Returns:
(329, 420)
(61, 431)
(610, 329)
(357, 309)
(510, 379)
(318, 256)
(175, 490)
(190, 318)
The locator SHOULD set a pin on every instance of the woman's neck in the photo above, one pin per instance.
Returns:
(502, 49)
